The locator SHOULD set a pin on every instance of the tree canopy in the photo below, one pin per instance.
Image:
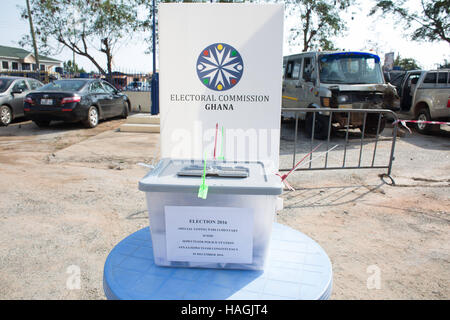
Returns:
(317, 21)
(81, 25)
(431, 22)
(72, 67)
(406, 63)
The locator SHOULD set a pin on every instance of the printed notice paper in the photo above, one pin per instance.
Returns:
(209, 234)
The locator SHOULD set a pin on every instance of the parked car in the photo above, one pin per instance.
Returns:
(12, 93)
(72, 100)
(138, 86)
(425, 95)
(336, 80)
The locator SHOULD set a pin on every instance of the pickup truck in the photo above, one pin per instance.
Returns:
(425, 95)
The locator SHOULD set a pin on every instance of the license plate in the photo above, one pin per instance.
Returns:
(47, 101)
(345, 106)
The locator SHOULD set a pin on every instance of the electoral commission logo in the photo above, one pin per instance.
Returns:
(220, 67)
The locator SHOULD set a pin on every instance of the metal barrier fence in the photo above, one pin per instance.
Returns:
(311, 115)
(126, 81)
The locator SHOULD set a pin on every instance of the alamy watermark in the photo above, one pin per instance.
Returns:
(374, 279)
(73, 281)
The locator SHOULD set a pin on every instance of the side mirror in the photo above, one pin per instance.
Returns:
(17, 91)
(387, 77)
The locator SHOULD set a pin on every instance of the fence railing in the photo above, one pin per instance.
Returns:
(126, 81)
(317, 119)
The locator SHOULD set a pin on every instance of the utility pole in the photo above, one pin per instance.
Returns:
(73, 57)
(155, 81)
(33, 37)
(153, 36)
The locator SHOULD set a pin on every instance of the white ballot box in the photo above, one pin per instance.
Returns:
(229, 229)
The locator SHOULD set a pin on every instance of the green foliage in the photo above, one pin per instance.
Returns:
(81, 25)
(445, 64)
(406, 63)
(431, 22)
(71, 67)
(317, 22)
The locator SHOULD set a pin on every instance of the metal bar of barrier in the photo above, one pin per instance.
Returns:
(313, 132)
(339, 168)
(363, 139)
(391, 158)
(346, 138)
(376, 139)
(328, 139)
(295, 139)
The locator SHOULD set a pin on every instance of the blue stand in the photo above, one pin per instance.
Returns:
(154, 87)
(297, 268)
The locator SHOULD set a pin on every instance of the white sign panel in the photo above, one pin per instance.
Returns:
(209, 234)
(221, 67)
(389, 61)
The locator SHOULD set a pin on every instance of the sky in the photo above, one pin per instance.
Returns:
(363, 33)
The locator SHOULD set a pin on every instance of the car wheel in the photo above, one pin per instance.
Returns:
(320, 127)
(372, 124)
(6, 115)
(92, 118)
(42, 123)
(424, 115)
(124, 114)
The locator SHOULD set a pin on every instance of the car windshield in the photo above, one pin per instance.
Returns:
(4, 84)
(66, 85)
(350, 68)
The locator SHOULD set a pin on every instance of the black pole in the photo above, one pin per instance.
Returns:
(153, 38)
(154, 85)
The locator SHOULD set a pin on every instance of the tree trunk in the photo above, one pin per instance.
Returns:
(306, 38)
(33, 37)
(107, 51)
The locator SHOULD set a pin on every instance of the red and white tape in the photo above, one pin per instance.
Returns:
(420, 121)
(403, 123)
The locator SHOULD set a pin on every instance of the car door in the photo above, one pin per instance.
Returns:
(292, 91)
(441, 92)
(306, 82)
(19, 90)
(116, 99)
(409, 90)
(101, 98)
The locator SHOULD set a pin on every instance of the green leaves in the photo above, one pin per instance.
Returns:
(431, 22)
(72, 67)
(406, 63)
(84, 26)
(318, 21)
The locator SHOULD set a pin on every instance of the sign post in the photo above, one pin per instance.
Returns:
(155, 81)
(221, 65)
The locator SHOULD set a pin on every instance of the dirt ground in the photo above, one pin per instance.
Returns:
(68, 195)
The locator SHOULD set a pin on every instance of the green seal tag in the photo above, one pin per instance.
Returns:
(203, 190)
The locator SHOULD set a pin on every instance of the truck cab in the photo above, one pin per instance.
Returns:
(338, 79)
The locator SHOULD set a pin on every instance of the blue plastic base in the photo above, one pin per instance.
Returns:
(297, 268)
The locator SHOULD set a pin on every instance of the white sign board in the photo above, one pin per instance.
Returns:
(221, 66)
(209, 234)
(389, 61)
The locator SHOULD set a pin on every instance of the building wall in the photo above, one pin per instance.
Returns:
(140, 101)
(48, 66)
